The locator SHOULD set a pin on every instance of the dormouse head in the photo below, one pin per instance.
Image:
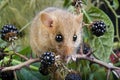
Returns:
(64, 31)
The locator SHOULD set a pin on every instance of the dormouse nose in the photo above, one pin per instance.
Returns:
(68, 49)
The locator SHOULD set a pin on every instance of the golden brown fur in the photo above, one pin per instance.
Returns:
(50, 22)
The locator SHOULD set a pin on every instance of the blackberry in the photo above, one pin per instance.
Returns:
(47, 59)
(77, 3)
(43, 70)
(98, 28)
(86, 48)
(9, 32)
(7, 75)
(73, 76)
(113, 58)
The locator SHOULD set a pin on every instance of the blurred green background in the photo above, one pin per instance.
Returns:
(21, 12)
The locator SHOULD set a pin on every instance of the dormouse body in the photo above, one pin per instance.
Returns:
(56, 30)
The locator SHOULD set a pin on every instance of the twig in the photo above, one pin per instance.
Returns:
(108, 74)
(111, 67)
(15, 75)
(19, 66)
(25, 26)
(22, 56)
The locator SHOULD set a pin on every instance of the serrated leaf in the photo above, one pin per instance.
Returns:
(101, 46)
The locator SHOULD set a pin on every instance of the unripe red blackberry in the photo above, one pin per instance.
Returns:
(114, 57)
(73, 76)
(47, 59)
(98, 28)
(7, 75)
(9, 32)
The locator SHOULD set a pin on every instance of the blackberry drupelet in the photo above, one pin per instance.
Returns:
(73, 76)
(98, 28)
(9, 33)
(7, 75)
(47, 59)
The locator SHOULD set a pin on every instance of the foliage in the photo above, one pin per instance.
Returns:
(102, 47)
(20, 13)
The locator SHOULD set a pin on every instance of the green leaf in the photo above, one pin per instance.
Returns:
(26, 50)
(115, 4)
(67, 3)
(101, 46)
(100, 74)
(26, 74)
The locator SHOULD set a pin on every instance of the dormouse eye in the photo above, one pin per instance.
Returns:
(59, 38)
(75, 37)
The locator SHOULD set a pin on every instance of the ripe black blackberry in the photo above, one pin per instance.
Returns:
(47, 59)
(98, 28)
(73, 76)
(7, 75)
(9, 32)
(86, 48)
(43, 70)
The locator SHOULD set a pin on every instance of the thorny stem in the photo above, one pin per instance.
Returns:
(79, 56)
(21, 65)
(22, 56)
(111, 67)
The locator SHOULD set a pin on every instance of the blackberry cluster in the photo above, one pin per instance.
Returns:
(47, 60)
(73, 76)
(98, 28)
(7, 75)
(86, 48)
(77, 3)
(9, 32)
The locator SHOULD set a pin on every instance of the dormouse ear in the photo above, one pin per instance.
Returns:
(79, 18)
(46, 19)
